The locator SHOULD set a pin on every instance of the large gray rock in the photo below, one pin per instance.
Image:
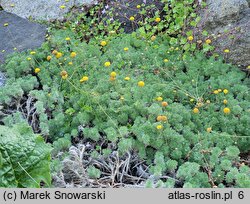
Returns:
(229, 22)
(223, 12)
(41, 9)
(2, 79)
(19, 35)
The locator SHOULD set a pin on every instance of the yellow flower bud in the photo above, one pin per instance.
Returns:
(141, 84)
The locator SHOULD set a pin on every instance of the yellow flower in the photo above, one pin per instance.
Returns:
(164, 103)
(29, 58)
(64, 74)
(49, 58)
(127, 78)
(138, 6)
(59, 55)
(73, 54)
(159, 127)
(103, 43)
(113, 74)
(132, 18)
(67, 39)
(32, 52)
(248, 67)
(5, 24)
(153, 38)
(84, 79)
(54, 52)
(199, 104)
(209, 129)
(62, 6)
(219, 90)
(196, 110)
(107, 64)
(226, 110)
(37, 70)
(190, 38)
(112, 78)
(216, 91)
(70, 63)
(159, 118)
(159, 98)
(225, 101)
(164, 118)
(125, 49)
(225, 91)
(166, 60)
(226, 50)
(141, 84)
(208, 41)
(157, 20)
(122, 98)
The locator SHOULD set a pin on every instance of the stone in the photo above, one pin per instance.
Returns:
(2, 79)
(42, 9)
(223, 12)
(229, 22)
(19, 35)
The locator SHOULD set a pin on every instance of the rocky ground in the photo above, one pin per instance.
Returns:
(19, 34)
(42, 10)
(229, 22)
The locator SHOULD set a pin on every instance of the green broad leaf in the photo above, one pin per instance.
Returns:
(173, 41)
(193, 23)
(203, 4)
(190, 32)
(183, 41)
(193, 15)
(198, 19)
(186, 46)
(205, 33)
(193, 46)
(24, 158)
